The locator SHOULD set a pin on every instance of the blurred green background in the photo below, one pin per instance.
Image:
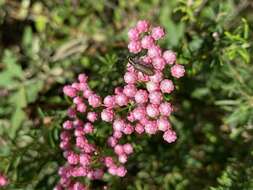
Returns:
(45, 44)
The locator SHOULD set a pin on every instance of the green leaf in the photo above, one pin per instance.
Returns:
(16, 120)
(6, 79)
(27, 37)
(245, 28)
(10, 61)
(32, 90)
(41, 22)
(19, 102)
(200, 93)
(11, 71)
(244, 54)
(227, 102)
(18, 99)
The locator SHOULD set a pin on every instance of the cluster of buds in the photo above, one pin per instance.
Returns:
(136, 108)
(79, 152)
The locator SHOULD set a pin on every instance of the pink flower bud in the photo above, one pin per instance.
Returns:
(152, 86)
(79, 131)
(134, 46)
(112, 170)
(130, 90)
(112, 141)
(157, 77)
(139, 113)
(82, 78)
(87, 93)
(141, 96)
(107, 115)
(128, 148)
(143, 26)
(84, 159)
(121, 171)
(77, 100)
(71, 112)
(152, 110)
(68, 125)
(133, 34)
(151, 128)
(121, 99)
(163, 124)
(157, 32)
(88, 128)
(169, 56)
(118, 90)
(79, 171)
(65, 145)
(108, 161)
(92, 116)
(165, 108)
(128, 129)
(154, 51)
(119, 125)
(123, 158)
(88, 148)
(65, 135)
(159, 63)
(166, 86)
(144, 121)
(147, 42)
(73, 158)
(155, 97)
(139, 128)
(81, 142)
(109, 101)
(118, 149)
(94, 100)
(130, 117)
(76, 86)
(69, 91)
(177, 71)
(170, 136)
(83, 86)
(130, 77)
(117, 134)
(81, 107)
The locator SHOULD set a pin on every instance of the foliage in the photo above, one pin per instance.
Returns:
(45, 44)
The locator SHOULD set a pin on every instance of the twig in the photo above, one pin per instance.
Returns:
(200, 8)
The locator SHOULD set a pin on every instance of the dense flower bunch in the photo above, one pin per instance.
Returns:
(136, 108)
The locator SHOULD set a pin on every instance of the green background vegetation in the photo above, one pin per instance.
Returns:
(45, 44)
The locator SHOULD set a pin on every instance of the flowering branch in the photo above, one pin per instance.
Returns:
(147, 112)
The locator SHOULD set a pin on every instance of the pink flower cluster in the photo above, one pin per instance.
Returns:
(3, 180)
(147, 113)
(78, 151)
(144, 37)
